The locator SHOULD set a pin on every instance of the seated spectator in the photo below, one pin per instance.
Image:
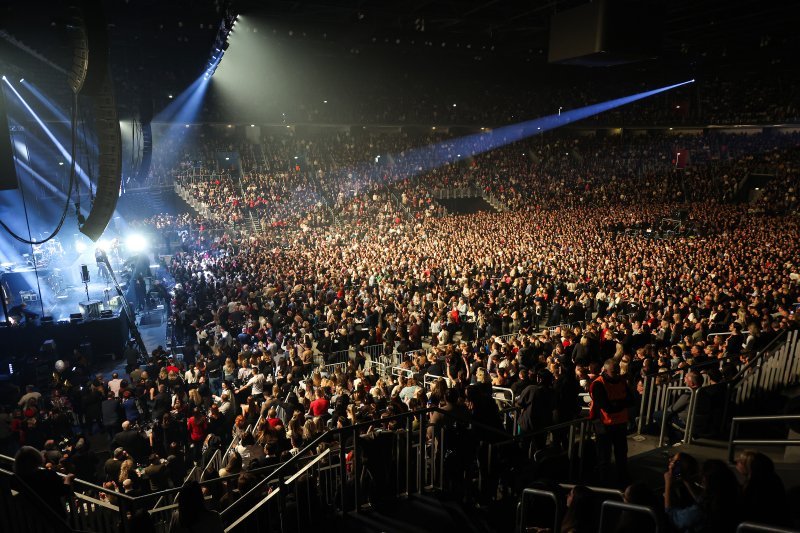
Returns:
(580, 516)
(763, 495)
(717, 500)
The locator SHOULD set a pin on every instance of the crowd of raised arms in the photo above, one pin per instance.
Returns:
(310, 264)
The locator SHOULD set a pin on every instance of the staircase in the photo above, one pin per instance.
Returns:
(751, 187)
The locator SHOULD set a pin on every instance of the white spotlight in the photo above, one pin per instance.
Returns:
(21, 80)
(103, 244)
(136, 243)
(80, 246)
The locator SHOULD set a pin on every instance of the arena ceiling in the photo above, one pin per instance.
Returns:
(177, 29)
(166, 43)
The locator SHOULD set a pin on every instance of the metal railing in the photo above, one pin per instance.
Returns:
(577, 432)
(610, 521)
(429, 379)
(533, 494)
(744, 527)
(736, 421)
(556, 502)
(776, 366)
(338, 476)
(666, 414)
(24, 511)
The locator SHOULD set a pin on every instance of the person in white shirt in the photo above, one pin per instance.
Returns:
(114, 384)
(409, 390)
(255, 384)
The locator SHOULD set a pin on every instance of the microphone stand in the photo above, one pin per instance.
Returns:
(137, 337)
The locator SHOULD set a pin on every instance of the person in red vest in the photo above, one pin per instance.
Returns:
(611, 397)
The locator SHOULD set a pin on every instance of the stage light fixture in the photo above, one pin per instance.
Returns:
(169, 96)
(136, 243)
(21, 80)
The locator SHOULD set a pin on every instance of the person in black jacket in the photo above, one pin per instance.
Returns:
(111, 412)
(538, 401)
(44, 484)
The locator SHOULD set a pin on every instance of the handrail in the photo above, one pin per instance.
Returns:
(763, 528)
(52, 517)
(759, 355)
(252, 510)
(665, 415)
(643, 509)
(732, 441)
(350, 429)
(720, 334)
(160, 494)
(543, 494)
(303, 470)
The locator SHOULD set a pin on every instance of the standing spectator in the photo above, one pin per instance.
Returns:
(611, 398)
(197, 426)
(111, 411)
(45, 484)
(193, 516)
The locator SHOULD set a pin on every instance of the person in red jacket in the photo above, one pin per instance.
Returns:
(611, 397)
(198, 429)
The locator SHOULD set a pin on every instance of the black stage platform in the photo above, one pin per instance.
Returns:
(106, 336)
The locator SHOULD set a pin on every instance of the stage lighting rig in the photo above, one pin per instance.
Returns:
(221, 44)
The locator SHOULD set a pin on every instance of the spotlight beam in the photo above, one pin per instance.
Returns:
(471, 145)
(63, 151)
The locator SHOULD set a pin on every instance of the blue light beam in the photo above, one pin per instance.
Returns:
(185, 108)
(63, 151)
(433, 156)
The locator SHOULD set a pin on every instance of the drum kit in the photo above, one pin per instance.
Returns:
(46, 253)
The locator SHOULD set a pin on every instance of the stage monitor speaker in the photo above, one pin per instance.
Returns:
(46, 320)
(605, 33)
(85, 274)
(75, 317)
(8, 171)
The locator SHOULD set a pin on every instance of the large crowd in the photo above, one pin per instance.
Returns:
(354, 252)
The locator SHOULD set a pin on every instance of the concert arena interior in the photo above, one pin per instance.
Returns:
(399, 266)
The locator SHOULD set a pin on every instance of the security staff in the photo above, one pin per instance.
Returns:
(611, 396)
